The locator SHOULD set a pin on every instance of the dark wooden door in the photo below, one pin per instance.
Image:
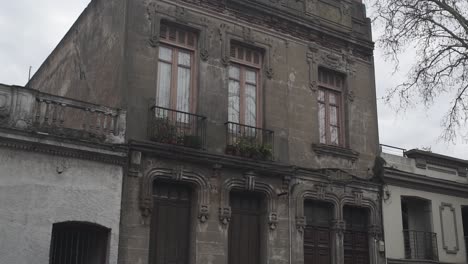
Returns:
(317, 235)
(356, 237)
(245, 228)
(170, 226)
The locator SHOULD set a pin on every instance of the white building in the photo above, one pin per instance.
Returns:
(61, 172)
(425, 208)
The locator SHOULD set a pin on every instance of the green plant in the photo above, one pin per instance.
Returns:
(266, 151)
(191, 141)
(248, 147)
(164, 131)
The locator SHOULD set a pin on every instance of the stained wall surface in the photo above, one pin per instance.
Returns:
(38, 190)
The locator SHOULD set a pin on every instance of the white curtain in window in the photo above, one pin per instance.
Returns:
(164, 78)
(183, 82)
(234, 95)
(251, 98)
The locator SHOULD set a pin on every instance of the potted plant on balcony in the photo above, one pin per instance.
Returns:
(191, 141)
(164, 131)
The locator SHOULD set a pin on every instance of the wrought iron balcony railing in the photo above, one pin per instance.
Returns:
(420, 245)
(248, 141)
(176, 127)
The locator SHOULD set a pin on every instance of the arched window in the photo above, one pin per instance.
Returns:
(79, 243)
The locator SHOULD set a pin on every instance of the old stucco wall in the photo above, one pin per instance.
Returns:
(38, 190)
(289, 95)
(87, 64)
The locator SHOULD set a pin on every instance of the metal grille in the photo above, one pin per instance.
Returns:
(420, 245)
(78, 243)
(177, 127)
(249, 141)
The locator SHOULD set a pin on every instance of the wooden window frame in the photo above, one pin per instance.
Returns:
(338, 91)
(243, 66)
(176, 46)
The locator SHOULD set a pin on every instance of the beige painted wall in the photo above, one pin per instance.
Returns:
(393, 225)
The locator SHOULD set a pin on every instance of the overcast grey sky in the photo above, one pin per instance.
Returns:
(30, 29)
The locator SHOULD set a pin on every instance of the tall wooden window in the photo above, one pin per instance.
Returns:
(244, 83)
(175, 87)
(170, 224)
(356, 237)
(317, 235)
(331, 85)
(245, 228)
(78, 243)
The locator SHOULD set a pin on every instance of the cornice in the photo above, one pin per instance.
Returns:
(111, 154)
(286, 23)
(424, 183)
(269, 168)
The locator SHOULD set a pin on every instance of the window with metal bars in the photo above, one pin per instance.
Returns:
(79, 243)
(330, 104)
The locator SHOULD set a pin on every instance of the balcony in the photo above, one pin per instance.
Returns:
(177, 128)
(45, 114)
(420, 245)
(249, 142)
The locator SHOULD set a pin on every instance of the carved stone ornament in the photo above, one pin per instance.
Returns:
(269, 72)
(154, 41)
(300, 223)
(225, 215)
(203, 213)
(321, 190)
(273, 221)
(339, 226)
(225, 60)
(358, 198)
(350, 96)
(332, 61)
(180, 13)
(375, 231)
(250, 181)
(204, 54)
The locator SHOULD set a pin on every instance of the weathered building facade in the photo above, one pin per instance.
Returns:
(251, 126)
(425, 208)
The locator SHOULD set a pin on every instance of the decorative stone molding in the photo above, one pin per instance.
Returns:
(339, 227)
(318, 192)
(135, 164)
(76, 151)
(365, 202)
(358, 197)
(300, 223)
(375, 231)
(340, 152)
(155, 19)
(225, 215)
(449, 234)
(177, 174)
(248, 183)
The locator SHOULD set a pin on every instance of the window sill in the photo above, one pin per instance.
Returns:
(335, 151)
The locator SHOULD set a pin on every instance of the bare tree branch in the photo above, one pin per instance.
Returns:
(438, 29)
